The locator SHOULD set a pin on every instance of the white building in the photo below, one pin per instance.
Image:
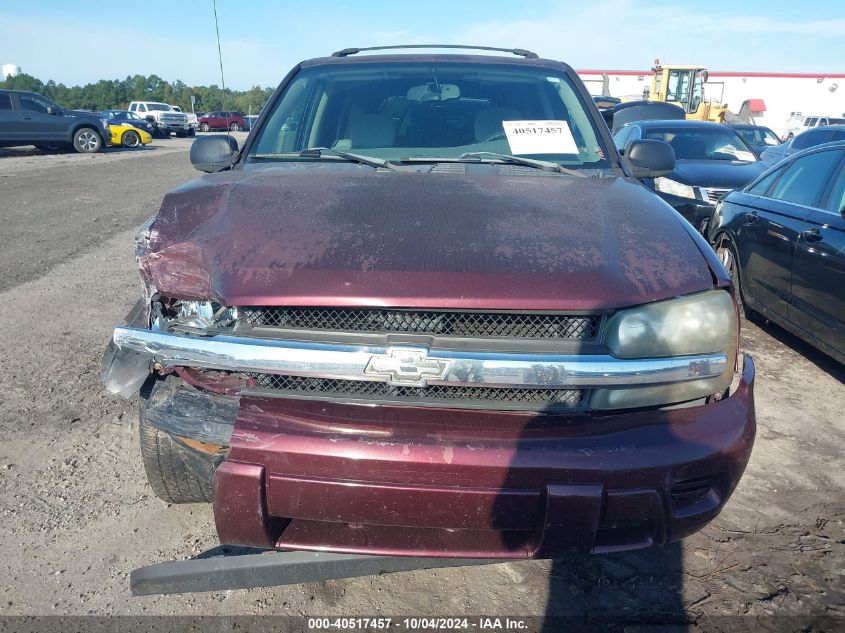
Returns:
(10, 70)
(821, 94)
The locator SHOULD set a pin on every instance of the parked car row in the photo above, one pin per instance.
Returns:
(777, 224)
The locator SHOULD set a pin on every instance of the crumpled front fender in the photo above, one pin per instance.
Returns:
(123, 371)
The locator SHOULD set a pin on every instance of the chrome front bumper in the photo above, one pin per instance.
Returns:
(413, 366)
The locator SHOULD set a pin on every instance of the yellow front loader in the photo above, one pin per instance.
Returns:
(684, 86)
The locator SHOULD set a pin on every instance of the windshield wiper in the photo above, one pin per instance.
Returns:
(317, 152)
(519, 160)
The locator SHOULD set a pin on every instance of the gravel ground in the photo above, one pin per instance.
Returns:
(77, 515)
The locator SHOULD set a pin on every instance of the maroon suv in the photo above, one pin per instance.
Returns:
(225, 120)
(428, 310)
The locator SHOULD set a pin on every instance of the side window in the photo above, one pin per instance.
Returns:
(805, 140)
(804, 181)
(762, 186)
(811, 121)
(132, 107)
(836, 202)
(142, 107)
(31, 102)
(5, 101)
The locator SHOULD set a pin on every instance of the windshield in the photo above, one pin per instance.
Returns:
(703, 143)
(159, 106)
(410, 110)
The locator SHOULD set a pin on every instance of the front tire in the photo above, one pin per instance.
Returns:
(204, 127)
(235, 127)
(131, 139)
(86, 140)
(169, 476)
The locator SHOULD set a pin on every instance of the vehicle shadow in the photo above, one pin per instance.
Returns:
(634, 590)
(642, 588)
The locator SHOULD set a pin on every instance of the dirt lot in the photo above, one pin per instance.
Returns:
(77, 515)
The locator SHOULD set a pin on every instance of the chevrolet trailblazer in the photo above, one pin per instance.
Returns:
(428, 310)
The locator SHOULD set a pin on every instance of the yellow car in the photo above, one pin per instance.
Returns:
(126, 135)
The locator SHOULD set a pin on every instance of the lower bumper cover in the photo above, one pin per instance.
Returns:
(416, 482)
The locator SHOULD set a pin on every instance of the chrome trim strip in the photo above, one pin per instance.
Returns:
(492, 369)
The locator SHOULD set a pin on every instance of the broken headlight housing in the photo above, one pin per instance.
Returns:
(192, 317)
(701, 324)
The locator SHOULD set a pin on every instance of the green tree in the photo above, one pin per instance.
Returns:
(117, 93)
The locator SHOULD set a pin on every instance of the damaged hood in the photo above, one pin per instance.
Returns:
(348, 235)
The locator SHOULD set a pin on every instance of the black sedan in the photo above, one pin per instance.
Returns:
(782, 238)
(758, 137)
(711, 160)
(119, 117)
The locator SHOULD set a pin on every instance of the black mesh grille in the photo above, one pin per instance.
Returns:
(359, 389)
(464, 324)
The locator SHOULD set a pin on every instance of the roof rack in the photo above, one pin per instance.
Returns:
(521, 52)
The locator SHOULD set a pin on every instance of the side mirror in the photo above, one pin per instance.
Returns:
(650, 158)
(212, 153)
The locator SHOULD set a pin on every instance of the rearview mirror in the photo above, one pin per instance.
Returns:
(212, 153)
(649, 158)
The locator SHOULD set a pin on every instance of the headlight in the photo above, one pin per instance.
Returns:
(674, 188)
(700, 324)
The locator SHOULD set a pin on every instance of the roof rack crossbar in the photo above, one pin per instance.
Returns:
(521, 52)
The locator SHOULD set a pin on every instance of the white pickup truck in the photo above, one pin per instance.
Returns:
(192, 120)
(163, 117)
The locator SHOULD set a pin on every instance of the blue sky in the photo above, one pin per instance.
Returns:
(81, 42)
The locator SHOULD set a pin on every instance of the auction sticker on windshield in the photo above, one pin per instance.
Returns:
(540, 137)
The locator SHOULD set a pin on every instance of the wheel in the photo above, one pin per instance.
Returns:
(204, 127)
(192, 132)
(163, 133)
(170, 477)
(234, 127)
(727, 255)
(130, 139)
(86, 140)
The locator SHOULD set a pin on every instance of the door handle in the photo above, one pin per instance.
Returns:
(813, 235)
(750, 218)
(27, 118)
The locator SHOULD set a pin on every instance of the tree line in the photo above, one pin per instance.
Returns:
(117, 93)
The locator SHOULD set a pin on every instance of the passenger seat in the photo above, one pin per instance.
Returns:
(372, 130)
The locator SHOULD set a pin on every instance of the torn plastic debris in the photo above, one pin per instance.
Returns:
(178, 409)
(122, 371)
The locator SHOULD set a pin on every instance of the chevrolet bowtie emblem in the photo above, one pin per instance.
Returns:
(407, 367)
